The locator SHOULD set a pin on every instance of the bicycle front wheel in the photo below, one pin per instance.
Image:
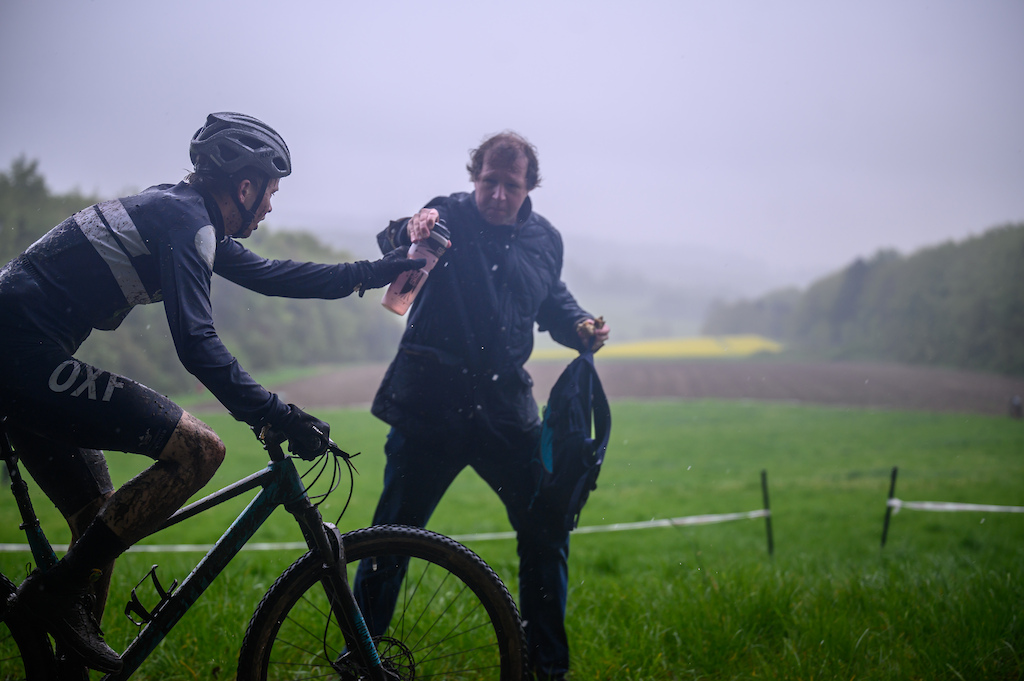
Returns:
(454, 617)
(25, 651)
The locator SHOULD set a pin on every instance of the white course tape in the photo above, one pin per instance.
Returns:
(486, 536)
(620, 527)
(897, 504)
(675, 522)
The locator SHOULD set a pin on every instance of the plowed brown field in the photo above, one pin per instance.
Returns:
(870, 385)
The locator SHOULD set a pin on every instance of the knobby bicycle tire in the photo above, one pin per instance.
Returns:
(454, 617)
(25, 651)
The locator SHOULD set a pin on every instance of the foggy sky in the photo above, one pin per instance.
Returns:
(798, 135)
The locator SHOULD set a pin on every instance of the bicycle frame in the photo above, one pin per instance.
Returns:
(281, 486)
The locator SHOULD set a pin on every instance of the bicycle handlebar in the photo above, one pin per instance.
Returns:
(273, 442)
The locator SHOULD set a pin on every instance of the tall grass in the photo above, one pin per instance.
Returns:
(941, 601)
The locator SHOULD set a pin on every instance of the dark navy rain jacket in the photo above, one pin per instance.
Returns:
(470, 330)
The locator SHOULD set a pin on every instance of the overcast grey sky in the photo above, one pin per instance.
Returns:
(801, 134)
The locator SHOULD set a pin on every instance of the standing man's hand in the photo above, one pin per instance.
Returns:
(593, 333)
(420, 224)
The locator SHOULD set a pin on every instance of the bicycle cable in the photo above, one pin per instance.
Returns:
(351, 485)
(319, 469)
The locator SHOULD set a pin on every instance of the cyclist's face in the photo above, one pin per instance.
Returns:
(249, 193)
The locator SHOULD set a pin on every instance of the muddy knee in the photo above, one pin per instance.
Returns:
(188, 461)
(196, 449)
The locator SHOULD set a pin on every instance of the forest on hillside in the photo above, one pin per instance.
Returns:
(957, 304)
(264, 333)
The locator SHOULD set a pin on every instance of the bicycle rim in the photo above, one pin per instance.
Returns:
(25, 652)
(454, 618)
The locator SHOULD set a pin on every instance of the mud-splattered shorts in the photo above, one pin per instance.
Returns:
(62, 412)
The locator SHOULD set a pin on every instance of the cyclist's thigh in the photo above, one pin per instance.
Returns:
(61, 399)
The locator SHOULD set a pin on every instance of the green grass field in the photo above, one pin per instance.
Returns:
(943, 599)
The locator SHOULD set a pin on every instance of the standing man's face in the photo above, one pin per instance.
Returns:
(501, 190)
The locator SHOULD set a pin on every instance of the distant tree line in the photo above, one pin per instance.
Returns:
(28, 209)
(264, 333)
(958, 304)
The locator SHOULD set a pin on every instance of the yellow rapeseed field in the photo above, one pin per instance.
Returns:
(665, 348)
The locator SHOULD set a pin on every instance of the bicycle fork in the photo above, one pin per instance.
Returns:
(326, 539)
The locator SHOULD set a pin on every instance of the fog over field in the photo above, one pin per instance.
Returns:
(713, 149)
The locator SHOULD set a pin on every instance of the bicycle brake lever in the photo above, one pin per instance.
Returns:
(272, 441)
(333, 447)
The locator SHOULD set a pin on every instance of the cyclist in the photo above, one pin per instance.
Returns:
(163, 244)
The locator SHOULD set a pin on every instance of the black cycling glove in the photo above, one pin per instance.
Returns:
(307, 435)
(380, 273)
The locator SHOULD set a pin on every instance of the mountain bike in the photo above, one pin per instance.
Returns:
(454, 618)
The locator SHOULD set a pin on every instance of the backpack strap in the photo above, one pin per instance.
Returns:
(602, 427)
(602, 413)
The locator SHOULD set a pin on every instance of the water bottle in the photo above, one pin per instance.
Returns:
(406, 285)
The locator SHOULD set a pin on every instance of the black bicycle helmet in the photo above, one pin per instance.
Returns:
(233, 141)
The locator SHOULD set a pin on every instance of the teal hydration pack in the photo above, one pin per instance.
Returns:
(574, 437)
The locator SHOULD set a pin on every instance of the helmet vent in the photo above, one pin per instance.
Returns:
(227, 153)
(251, 142)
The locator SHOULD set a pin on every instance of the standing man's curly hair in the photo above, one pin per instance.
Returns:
(506, 147)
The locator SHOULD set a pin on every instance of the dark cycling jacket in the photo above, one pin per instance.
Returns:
(161, 245)
(470, 330)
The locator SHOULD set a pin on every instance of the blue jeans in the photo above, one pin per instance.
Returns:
(418, 474)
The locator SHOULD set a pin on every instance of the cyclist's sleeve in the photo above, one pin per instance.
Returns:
(284, 278)
(186, 267)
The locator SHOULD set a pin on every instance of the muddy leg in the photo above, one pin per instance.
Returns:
(186, 464)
